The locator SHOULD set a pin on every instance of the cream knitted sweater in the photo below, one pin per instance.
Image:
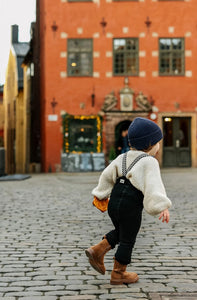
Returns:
(145, 176)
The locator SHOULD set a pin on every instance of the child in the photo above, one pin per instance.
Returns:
(132, 181)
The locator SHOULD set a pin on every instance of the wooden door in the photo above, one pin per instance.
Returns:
(177, 142)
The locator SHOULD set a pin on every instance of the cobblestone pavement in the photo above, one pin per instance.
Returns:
(47, 221)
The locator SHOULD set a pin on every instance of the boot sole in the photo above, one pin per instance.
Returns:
(95, 266)
(118, 282)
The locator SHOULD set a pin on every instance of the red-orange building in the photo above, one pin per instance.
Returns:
(105, 62)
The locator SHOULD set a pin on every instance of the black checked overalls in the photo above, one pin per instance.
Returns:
(125, 210)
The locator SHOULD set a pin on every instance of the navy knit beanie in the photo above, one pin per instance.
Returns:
(143, 133)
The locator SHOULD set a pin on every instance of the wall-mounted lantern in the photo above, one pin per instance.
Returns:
(103, 23)
(93, 97)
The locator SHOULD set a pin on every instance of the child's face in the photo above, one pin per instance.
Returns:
(155, 149)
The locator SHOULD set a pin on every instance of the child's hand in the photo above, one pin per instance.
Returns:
(165, 215)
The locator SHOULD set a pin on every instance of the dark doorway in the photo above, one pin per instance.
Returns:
(122, 126)
(177, 142)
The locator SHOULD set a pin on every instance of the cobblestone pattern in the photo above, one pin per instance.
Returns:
(47, 221)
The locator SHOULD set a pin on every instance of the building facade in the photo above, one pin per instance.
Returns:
(103, 63)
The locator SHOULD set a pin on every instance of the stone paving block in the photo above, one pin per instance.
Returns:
(45, 288)
(67, 272)
(17, 295)
(61, 293)
(94, 292)
(65, 282)
(78, 297)
(38, 298)
(132, 298)
(156, 287)
(183, 287)
(13, 270)
(28, 283)
(48, 277)
(78, 277)
(116, 296)
(11, 289)
(13, 279)
(74, 287)
(140, 296)
(7, 298)
(133, 288)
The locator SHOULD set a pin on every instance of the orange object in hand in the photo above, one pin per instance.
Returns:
(101, 204)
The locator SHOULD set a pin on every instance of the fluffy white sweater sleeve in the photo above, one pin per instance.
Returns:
(145, 176)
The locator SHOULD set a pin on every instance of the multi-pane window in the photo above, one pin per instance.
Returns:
(80, 57)
(125, 56)
(171, 56)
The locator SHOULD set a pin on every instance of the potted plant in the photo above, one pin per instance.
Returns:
(112, 154)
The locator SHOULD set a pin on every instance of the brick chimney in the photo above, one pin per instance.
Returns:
(14, 34)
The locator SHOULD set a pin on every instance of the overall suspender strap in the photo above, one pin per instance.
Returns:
(125, 170)
(124, 164)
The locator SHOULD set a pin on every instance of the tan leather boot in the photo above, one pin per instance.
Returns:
(120, 276)
(96, 255)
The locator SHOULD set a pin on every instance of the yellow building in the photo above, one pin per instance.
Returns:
(15, 108)
(26, 117)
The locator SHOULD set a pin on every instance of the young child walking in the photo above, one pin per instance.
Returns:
(131, 181)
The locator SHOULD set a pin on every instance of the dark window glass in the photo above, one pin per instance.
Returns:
(80, 57)
(183, 132)
(168, 132)
(171, 56)
(125, 56)
(82, 133)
